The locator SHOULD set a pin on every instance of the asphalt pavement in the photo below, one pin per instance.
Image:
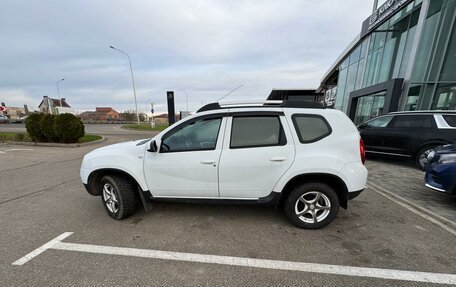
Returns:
(41, 197)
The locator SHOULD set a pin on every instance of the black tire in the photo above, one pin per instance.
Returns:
(125, 193)
(423, 151)
(327, 195)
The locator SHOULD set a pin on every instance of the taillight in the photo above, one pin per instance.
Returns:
(362, 151)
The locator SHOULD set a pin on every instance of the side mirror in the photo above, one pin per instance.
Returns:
(153, 146)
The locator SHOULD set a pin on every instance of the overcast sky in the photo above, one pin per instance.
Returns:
(202, 48)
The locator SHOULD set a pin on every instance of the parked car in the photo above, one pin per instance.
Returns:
(20, 120)
(3, 119)
(298, 155)
(441, 169)
(409, 134)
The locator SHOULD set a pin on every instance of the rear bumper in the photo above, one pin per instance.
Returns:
(354, 175)
(354, 194)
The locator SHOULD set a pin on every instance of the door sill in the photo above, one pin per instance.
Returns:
(272, 199)
(387, 153)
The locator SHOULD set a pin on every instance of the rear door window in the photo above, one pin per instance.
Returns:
(311, 128)
(414, 121)
(256, 131)
(450, 119)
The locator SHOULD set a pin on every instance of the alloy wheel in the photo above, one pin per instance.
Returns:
(312, 207)
(424, 157)
(110, 198)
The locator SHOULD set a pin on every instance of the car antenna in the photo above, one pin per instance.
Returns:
(230, 92)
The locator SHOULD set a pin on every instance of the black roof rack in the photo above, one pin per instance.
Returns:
(424, 112)
(264, 104)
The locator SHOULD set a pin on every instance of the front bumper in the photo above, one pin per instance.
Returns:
(435, 188)
(86, 186)
(84, 173)
(434, 182)
(440, 179)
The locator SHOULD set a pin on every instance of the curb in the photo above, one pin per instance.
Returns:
(441, 221)
(71, 145)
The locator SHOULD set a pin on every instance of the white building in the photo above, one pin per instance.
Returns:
(55, 106)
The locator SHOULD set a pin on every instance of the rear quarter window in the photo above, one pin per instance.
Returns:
(414, 121)
(311, 128)
(450, 119)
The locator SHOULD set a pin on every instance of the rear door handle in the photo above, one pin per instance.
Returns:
(208, 161)
(278, 158)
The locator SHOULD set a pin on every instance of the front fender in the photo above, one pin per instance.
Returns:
(128, 160)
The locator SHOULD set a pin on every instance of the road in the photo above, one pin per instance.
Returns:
(100, 129)
(41, 197)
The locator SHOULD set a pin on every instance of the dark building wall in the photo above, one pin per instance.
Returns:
(296, 95)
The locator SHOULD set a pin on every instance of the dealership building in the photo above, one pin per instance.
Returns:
(404, 59)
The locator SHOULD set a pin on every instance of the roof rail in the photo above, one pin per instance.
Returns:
(270, 103)
(425, 112)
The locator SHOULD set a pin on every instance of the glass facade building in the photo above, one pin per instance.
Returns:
(403, 59)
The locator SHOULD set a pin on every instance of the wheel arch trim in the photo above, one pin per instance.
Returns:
(98, 173)
(431, 143)
(334, 181)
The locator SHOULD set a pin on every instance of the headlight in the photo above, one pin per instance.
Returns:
(447, 158)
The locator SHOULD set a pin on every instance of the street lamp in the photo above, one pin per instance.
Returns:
(58, 91)
(132, 79)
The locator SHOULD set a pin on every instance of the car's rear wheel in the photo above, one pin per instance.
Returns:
(421, 156)
(312, 205)
(119, 197)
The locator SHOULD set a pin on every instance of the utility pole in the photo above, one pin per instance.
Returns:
(58, 91)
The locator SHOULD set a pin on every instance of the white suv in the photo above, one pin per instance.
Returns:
(297, 155)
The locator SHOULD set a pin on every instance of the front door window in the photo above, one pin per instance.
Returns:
(199, 135)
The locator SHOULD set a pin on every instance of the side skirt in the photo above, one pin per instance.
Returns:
(271, 200)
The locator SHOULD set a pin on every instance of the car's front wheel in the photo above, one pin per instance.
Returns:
(312, 205)
(119, 197)
(421, 156)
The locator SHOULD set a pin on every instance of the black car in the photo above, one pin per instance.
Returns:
(409, 134)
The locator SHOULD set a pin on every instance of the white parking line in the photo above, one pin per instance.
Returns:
(19, 149)
(41, 249)
(427, 277)
(15, 149)
(418, 210)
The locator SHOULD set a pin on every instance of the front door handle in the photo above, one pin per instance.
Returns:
(208, 161)
(278, 158)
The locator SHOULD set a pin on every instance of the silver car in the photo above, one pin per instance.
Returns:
(3, 119)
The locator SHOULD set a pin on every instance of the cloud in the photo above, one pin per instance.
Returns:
(17, 96)
(202, 48)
